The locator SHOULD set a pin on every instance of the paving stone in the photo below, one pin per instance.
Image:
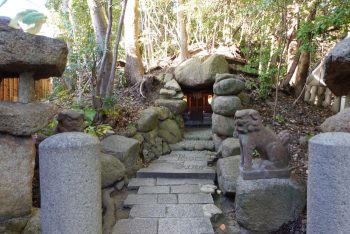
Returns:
(148, 211)
(186, 188)
(176, 170)
(135, 183)
(135, 226)
(187, 156)
(190, 145)
(167, 199)
(198, 134)
(185, 226)
(184, 211)
(166, 181)
(140, 199)
(196, 198)
(153, 190)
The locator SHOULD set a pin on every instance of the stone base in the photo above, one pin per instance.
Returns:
(17, 155)
(256, 174)
(228, 173)
(265, 205)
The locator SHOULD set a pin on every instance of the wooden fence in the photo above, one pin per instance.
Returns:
(9, 89)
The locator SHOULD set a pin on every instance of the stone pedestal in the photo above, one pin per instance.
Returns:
(264, 205)
(328, 184)
(16, 175)
(70, 184)
(227, 173)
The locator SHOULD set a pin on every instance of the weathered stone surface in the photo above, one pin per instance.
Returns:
(229, 86)
(24, 52)
(337, 123)
(168, 77)
(148, 120)
(14, 225)
(172, 85)
(179, 95)
(226, 105)
(198, 134)
(230, 147)
(70, 184)
(245, 98)
(196, 198)
(140, 199)
(135, 183)
(328, 191)
(127, 150)
(33, 226)
(222, 125)
(169, 131)
(136, 226)
(186, 188)
(224, 76)
(212, 211)
(197, 73)
(17, 156)
(175, 106)
(185, 226)
(168, 93)
(180, 121)
(228, 173)
(148, 211)
(218, 141)
(112, 170)
(337, 68)
(167, 199)
(163, 112)
(185, 211)
(70, 121)
(24, 119)
(265, 205)
(166, 181)
(153, 190)
(197, 145)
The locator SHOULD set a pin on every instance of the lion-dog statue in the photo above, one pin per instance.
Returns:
(272, 148)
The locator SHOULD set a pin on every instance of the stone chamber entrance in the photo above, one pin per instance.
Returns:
(198, 112)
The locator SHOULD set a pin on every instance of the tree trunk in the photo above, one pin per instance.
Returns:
(182, 32)
(134, 69)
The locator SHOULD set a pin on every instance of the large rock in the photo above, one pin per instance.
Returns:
(222, 125)
(199, 73)
(172, 85)
(229, 147)
(226, 105)
(228, 172)
(14, 225)
(148, 120)
(170, 131)
(127, 150)
(112, 170)
(24, 52)
(163, 112)
(33, 226)
(17, 155)
(168, 93)
(70, 121)
(218, 141)
(175, 106)
(231, 86)
(24, 119)
(337, 68)
(265, 205)
(337, 123)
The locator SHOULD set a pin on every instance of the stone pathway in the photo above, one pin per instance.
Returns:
(173, 194)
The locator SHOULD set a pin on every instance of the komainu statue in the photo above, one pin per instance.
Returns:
(255, 138)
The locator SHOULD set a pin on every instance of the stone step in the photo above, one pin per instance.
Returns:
(206, 156)
(136, 183)
(196, 225)
(167, 211)
(180, 169)
(193, 145)
(198, 134)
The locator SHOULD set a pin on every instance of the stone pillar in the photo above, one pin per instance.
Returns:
(328, 192)
(26, 87)
(336, 104)
(70, 184)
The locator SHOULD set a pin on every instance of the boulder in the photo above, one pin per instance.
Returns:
(169, 131)
(33, 226)
(200, 73)
(148, 120)
(245, 99)
(337, 68)
(228, 172)
(265, 205)
(14, 225)
(175, 106)
(172, 85)
(224, 76)
(25, 119)
(180, 121)
(112, 170)
(229, 86)
(23, 52)
(226, 105)
(179, 95)
(337, 123)
(168, 77)
(17, 155)
(163, 112)
(222, 125)
(168, 93)
(127, 150)
(218, 141)
(229, 147)
(70, 121)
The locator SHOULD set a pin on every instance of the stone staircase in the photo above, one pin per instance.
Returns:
(173, 194)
